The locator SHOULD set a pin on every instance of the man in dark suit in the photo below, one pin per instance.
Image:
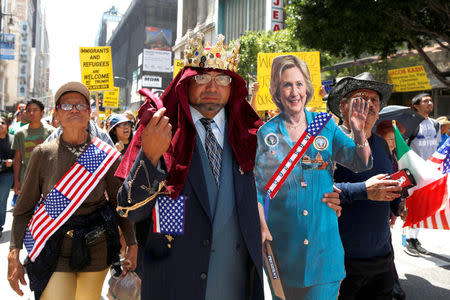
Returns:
(202, 144)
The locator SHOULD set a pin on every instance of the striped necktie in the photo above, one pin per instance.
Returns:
(213, 149)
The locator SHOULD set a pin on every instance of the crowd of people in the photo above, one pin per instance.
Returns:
(194, 192)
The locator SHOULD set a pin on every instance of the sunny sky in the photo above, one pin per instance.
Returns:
(72, 24)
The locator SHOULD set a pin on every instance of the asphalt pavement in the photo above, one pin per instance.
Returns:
(422, 278)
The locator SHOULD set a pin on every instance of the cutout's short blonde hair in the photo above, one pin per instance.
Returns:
(279, 65)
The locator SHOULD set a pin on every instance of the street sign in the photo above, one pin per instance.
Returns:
(96, 68)
(111, 98)
(151, 81)
(277, 15)
(7, 43)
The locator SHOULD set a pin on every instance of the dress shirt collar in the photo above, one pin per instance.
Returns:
(219, 119)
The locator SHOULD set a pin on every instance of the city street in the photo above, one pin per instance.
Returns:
(426, 277)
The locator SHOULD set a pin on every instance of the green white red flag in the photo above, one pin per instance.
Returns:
(430, 195)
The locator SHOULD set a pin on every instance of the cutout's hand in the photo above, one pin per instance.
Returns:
(333, 201)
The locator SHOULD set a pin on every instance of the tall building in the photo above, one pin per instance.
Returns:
(141, 47)
(24, 53)
(15, 48)
(232, 18)
(108, 24)
(41, 71)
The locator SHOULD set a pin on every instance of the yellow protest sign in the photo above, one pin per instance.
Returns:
(409, 79)
(263, 98)
(111, 98)
(177, 66)
(96, 68)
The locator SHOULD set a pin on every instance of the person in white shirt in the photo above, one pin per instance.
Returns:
(424, 143)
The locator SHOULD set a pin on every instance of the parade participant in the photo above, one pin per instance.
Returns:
(120, 132)
(386, 131)
(20, 119)
(70, 259)
(6, 169)
(27, 138)
(92, 129)
(304, 229)
(445, 128)
(365, 196)
(424, 142)
(130, 116)
(203, 143)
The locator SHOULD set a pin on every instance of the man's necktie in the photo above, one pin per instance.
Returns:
(213, 149)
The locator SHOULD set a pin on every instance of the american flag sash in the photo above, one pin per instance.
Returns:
(168, 215)
(68, 194)
(288, 164)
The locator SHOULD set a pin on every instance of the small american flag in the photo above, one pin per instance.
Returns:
(68, 194)
(168, 215)
(440, 160)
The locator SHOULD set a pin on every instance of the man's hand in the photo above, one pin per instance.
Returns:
(402, 211)
(332, 200)
(8, 162)
(16, 187)
(255, 87)
(379, 189)
(119, 146)
(15, 271)
(156, 136)
(359, 111)
(130, 261)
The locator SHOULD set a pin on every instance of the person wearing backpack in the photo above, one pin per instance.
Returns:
(424, 142)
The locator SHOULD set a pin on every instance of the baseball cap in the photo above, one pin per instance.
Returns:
(73, 86)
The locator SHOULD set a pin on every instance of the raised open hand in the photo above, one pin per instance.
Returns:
(358, 115)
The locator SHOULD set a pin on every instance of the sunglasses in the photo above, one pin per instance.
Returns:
(69, 107)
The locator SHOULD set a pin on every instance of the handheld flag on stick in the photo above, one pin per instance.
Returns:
(431, 192)
(440, 160)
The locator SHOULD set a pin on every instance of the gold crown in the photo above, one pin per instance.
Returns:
(200, 55)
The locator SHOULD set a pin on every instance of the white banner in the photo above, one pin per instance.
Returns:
(157, 61)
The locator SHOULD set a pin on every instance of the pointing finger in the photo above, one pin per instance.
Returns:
(156, 117)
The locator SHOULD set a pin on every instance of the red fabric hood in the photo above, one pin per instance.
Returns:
(243, 124)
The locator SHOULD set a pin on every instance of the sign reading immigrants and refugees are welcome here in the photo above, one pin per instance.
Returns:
(96, 68)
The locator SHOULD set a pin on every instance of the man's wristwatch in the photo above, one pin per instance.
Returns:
(360, 146)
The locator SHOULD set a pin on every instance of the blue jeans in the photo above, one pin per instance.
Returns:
(6, 183)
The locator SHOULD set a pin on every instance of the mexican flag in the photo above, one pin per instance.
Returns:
(431, 192)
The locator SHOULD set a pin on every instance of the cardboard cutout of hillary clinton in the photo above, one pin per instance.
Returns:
(295, 157)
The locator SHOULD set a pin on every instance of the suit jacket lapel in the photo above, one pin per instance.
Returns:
(197, 180)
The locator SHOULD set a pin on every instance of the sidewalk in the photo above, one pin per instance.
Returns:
(426, 277)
